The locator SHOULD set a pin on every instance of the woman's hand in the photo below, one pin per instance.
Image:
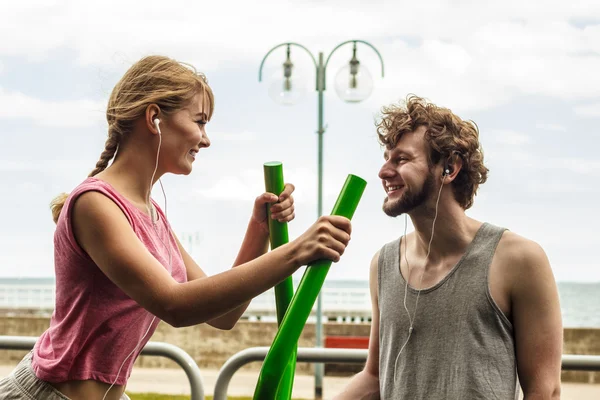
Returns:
(325, 239)
(282, 210)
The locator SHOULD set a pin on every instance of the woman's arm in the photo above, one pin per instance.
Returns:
(255, 244)
(102, 230)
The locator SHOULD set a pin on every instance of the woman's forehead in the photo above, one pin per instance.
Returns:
(200, 105)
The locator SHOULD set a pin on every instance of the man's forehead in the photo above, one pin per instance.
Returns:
(398, 149)
(411, 143)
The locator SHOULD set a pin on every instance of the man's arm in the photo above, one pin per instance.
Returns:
(536, 320)
(365, 384)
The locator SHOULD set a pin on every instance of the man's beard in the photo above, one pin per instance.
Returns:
(409, 200)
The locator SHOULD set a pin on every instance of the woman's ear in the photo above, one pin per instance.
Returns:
(152, 119)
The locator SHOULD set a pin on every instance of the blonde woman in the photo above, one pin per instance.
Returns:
(119, 267)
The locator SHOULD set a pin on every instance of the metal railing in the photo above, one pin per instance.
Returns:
(573, 362)
(167, 350)
(357, 356)
(238, 360)
(305, 354)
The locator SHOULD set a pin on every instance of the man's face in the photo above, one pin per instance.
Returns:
(406, 174)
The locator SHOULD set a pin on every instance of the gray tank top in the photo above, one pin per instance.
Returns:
(462, 345)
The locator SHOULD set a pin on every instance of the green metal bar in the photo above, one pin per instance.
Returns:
(286, 339)
(284, 291)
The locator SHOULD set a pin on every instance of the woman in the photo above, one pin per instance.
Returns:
(119, 267)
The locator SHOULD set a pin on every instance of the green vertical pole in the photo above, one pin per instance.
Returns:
(320, 132)
(288, 334)
(284, 291)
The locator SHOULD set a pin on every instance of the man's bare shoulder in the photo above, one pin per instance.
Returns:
(521, 258)
(373, 275)
(518, 249)
(375, 260)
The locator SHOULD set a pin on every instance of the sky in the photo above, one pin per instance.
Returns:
(525, 72)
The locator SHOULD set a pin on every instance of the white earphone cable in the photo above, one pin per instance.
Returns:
(154, 218)
(412, 320)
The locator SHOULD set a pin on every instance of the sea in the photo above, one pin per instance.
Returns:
(341, 300)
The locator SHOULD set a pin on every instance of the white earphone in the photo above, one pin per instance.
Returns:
(157, 125)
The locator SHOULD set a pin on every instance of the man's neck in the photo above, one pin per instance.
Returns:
(452, 232)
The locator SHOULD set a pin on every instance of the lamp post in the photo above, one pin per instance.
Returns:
(353, 83)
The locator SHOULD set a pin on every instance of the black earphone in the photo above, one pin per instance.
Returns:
(447, 169)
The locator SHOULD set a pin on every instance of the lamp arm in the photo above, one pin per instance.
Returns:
(278, 46)
(355, 41)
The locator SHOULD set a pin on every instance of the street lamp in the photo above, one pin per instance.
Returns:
(353, 83)
(287, 89)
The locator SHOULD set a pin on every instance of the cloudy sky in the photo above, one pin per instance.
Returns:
(525, 72)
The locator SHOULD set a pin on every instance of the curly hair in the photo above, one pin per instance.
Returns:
(447, 135)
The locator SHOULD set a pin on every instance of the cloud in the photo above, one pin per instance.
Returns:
(12, 166)
(484, 59)
(560, 188)
(235, 137)
(237, 186)
(522, 151)
(550, 127)
(509, 137)
(231, 188)
(248, 184)
(64, 113)
(588, 110)
(578, 165)
(449, 56)
(468, 56)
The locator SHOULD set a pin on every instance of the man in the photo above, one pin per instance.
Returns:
(461, 309)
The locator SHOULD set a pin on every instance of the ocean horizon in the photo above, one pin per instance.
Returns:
(580, 301)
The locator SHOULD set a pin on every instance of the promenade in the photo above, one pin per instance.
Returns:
(174, 381)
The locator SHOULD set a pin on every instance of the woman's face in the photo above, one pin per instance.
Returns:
(183, 135)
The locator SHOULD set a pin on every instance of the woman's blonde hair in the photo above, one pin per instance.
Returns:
(152, 80)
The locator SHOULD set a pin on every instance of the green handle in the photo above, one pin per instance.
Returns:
(284, 291)
(286, 339)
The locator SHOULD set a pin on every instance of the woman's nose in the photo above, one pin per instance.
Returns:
(205, 142)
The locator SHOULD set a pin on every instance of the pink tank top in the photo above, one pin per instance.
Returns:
(95, 325)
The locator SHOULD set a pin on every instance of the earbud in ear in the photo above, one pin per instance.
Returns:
(157, 125)
(446, 169)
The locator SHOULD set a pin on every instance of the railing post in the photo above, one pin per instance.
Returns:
(305, 354)
(184, 360)
(173, 352)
